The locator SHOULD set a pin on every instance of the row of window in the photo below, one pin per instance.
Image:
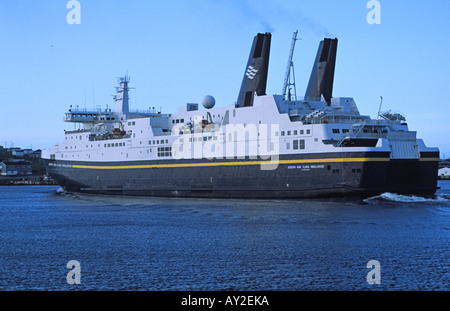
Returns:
(154, 142)
(122, 144)
(74, 115)
(157, 142)
(297, 144)
(87, 146)
(344, 131)
(205, 138)
(114, 145)
(283, 133)
(107, 118)
(337, 131)
(295, 132)
(174, 121)
(76, 137)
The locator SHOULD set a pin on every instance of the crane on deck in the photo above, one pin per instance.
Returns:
(289, 79)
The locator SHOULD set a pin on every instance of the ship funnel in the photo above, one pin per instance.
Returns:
(255, 76)
(322, 74)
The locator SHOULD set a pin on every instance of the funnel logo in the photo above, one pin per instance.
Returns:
(251, 72)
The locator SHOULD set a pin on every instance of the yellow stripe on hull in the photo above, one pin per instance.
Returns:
(234, 163)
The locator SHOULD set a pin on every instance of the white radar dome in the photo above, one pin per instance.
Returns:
(208, 101)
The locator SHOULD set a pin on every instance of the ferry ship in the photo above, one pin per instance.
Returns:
(262, 146)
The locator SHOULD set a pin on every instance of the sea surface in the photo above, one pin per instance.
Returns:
(136, 243)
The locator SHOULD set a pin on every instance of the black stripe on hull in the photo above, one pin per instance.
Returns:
(297, 176)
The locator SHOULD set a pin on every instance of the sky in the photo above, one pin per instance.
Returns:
(178, 51)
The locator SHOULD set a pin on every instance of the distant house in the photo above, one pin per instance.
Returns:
(444, 173)
(36, 154)
(27, 151)
(17, 152)
(14, 168)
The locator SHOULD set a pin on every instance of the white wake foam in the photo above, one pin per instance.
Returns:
(394, 197)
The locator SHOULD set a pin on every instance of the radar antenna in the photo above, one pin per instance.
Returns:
(290, 72)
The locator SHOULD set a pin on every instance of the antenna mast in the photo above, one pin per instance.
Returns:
(290, 72)
(379, 109)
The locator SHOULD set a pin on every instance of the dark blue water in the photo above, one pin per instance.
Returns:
(127, 243)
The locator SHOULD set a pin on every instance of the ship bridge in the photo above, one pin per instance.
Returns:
(121, 112)
(83, 115)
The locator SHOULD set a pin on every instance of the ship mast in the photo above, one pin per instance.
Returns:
(121, 99)
(290, 72)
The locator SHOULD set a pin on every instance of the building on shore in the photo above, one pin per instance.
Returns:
(16, 154)
(14, 168)
(444, 173)
(22, 167)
